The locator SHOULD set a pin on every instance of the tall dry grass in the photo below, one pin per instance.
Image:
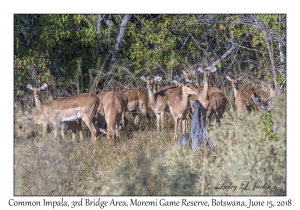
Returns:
(144, 162)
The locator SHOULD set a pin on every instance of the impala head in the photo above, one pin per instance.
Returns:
(206, 72)
(177, 83)
(111, 133)
(177, 80)
(234, 81)
(189, 89)
(151, 83)
(36, 91)
(188, 75)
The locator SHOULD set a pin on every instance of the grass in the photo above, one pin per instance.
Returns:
(143, 162)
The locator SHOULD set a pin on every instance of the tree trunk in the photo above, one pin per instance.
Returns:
(269, 43)
(119, 39)
(99, 30)
(282, 60)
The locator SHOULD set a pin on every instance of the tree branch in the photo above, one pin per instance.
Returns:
(120, 36)
(232, 48)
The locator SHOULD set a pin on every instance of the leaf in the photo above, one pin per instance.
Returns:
(264, 134)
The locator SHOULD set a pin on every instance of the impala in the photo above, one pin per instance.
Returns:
(211, 98)
(157, 100)
(177, 100)
(203, 96)
(38, 119)
(242, 97)
(137, 99)
(82, 106)
(100, 112)
(113, 107)
(217, 106)
(263, 104)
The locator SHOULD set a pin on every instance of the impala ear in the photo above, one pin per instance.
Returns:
(228, 77)
(240, 78)
(200, 69)
(29, 87)
(102, 130)
(143, 78)
(157, 78)
(118, 128)
(213, 69)
(181, 80)
(184, 72)
(44, 85)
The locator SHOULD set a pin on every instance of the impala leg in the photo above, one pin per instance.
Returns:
(162, 117)
(144, 112)
(91, 125)
(204, 114)
(74, 127)
(176, 125)
(62, 131)
(135, 117)
(208, 116)
(55, 129)
(44, 131)
(180, 124)
(80, 129)
(157, 122)
(184, 121)
(184, 125)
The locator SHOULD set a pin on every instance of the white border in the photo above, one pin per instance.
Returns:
(130, 6)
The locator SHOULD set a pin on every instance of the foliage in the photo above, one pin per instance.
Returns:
(52, 45)
(267, 126)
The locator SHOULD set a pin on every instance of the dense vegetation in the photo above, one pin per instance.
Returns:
(91, 53)
(69, 51)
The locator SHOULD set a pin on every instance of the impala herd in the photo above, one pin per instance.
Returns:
(105, 112)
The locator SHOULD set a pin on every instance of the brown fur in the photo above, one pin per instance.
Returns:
(86, 104)
(177, 99)
(38, 119)
(217, 106)
(100, 112)
(114, 107)
(242, 96)
(208, 98)
(158, 101)
(137, 99)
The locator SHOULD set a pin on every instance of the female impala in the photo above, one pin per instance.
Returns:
(38, 119)
(211, 98)
(177, 99)
(113, 108)
(157, 100)
(82, 106)
(242, 97)
(137, 99)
